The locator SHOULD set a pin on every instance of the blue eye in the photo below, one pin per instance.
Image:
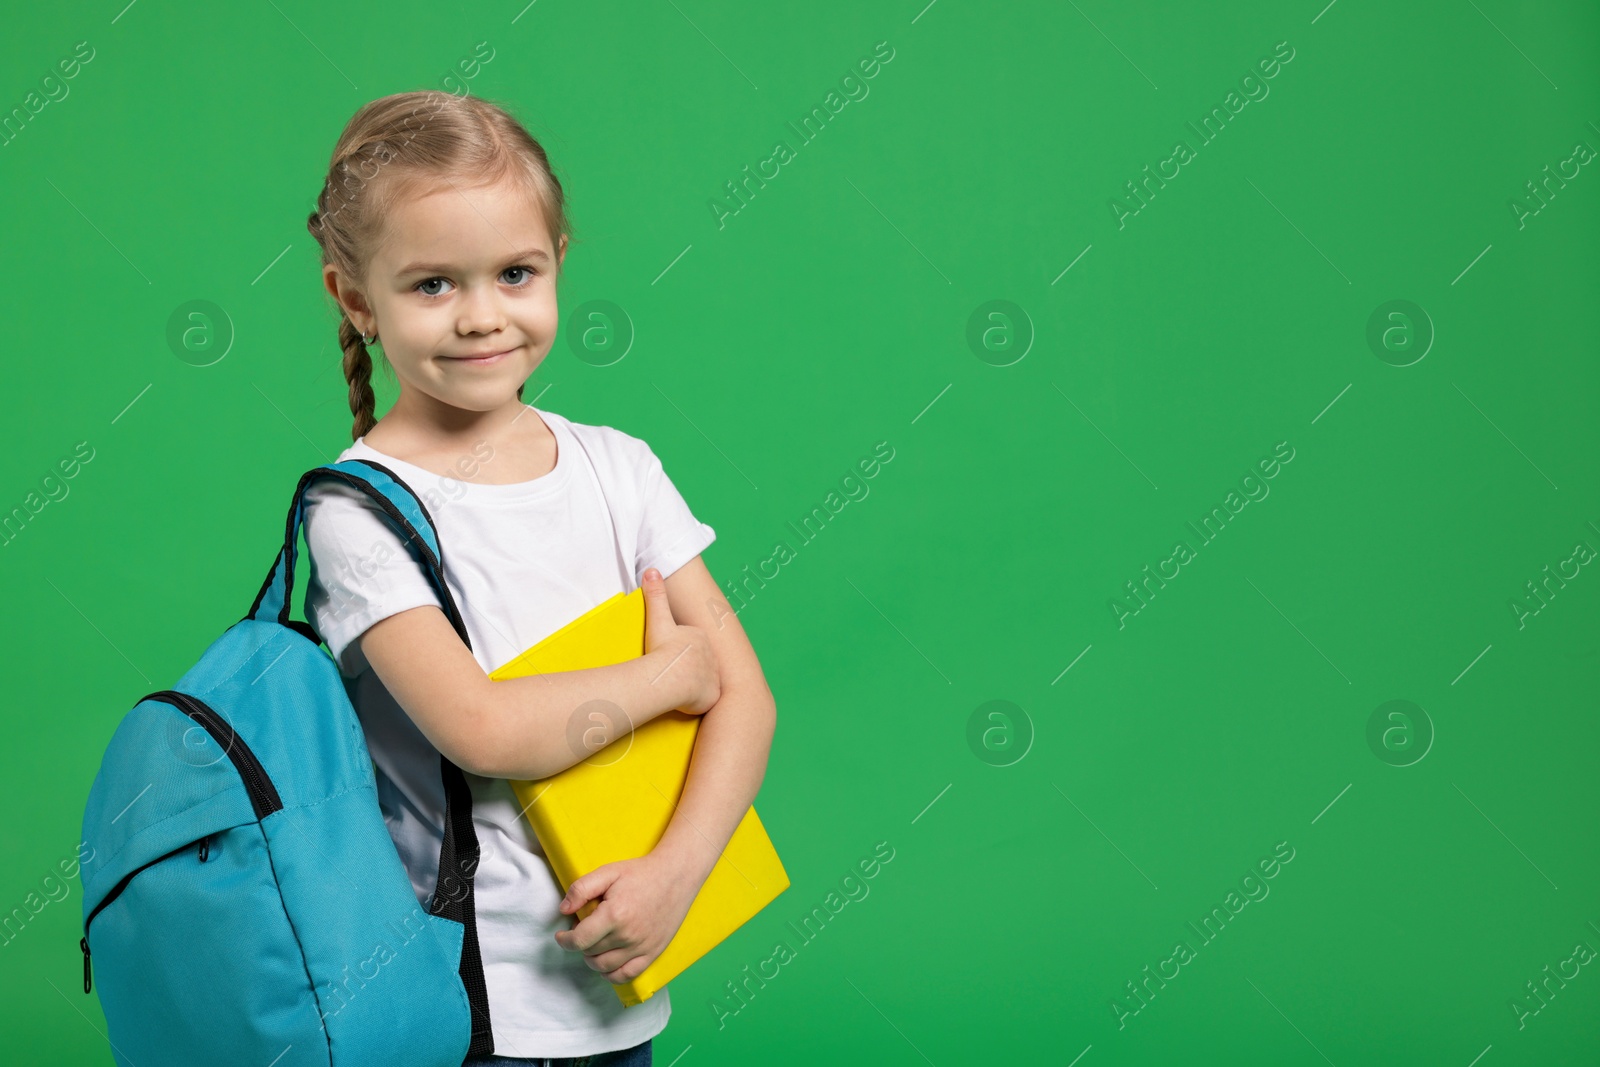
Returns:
(528, 272)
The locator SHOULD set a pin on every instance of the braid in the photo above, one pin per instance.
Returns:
(358, 372)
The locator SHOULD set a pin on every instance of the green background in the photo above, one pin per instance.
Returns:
(1039, 867)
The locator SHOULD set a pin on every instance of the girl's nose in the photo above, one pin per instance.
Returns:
(481, 312)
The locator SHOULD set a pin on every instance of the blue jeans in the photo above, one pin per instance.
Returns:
(637, 1056)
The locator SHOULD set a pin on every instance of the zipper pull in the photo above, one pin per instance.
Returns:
(83, 943)
(205, 848)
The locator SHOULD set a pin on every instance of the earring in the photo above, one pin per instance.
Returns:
(368, 340)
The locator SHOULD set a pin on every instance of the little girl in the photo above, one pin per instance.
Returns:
(443, 232)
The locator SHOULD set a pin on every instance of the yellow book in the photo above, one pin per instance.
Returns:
(617, 802)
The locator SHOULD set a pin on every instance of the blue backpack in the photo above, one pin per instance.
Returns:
(244, 902)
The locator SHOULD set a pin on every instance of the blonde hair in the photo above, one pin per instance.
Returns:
(402, 145)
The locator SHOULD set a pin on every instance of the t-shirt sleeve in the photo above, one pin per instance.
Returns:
(361, 570)
(669, 533)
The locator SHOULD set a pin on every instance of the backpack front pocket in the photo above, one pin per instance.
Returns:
(196, 959)
(171, 942)
(202, 853)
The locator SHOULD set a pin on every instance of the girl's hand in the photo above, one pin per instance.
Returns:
(688, 660)
(644, 902)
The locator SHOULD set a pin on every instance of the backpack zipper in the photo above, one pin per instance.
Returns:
(263, 796)
(116, 891)
(264, 799)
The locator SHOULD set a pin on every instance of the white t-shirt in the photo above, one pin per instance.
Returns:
(521, 561)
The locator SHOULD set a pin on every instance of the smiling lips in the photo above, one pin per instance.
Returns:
(481, 361)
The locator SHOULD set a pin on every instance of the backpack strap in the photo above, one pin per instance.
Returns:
(400, 505)
(458, 853)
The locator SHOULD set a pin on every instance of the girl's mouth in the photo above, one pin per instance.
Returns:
(481, 361)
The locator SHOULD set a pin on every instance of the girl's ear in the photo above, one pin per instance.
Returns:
(351, 300)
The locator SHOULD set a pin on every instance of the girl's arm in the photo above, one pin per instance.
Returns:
(517, 728)
(735, 737)
(646, 899)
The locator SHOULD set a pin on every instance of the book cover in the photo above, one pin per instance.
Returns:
(617, 802)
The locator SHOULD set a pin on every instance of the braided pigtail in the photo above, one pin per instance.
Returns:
(358, 372)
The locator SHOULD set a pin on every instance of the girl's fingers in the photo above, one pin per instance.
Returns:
(611, 941)
(588, 887)
(577, 895)
(609, 961)
(589, 936)
(657, 611)
(624, 973)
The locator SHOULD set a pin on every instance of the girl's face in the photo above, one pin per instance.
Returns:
(462, 272)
